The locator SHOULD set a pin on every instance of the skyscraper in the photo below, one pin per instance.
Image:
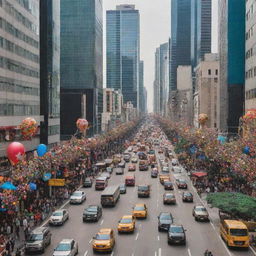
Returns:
(19, 70)
(123, 51)
(201, 26)
(81, 64)
(180, 45)
(50, 71)
(157, 82)
(141, 88)
(230, 93)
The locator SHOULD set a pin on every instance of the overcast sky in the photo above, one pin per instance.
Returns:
(155, 30)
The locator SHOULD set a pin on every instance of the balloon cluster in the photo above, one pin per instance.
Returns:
(28, 128)
(250, 115)
(82, 124)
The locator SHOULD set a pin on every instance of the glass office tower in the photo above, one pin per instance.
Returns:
(123, 51)
(180, 45)
(81, 64)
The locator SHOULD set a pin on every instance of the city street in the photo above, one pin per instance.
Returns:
(146, 240)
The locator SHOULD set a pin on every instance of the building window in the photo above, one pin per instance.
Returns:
(216, 72)
(209, 72)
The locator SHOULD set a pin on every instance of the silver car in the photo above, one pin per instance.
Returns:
(59, 217)
(77, 197)
(67, 247)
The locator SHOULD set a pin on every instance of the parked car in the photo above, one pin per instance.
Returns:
(59, 217)
(77, 197)
(92, 213)
(187, 197)
(176, 235)
(38, 240)
(165, 219)
(87, 183)
(119, 171)
(169, 198)
(200, 213)
(67, 247)
(122, 189)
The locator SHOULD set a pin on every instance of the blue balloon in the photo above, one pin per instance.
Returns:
(41, 150)
(222, 139)
(47, 176)
(246, 150)
(32, 186)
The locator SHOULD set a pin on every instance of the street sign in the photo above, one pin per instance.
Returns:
(56, 182)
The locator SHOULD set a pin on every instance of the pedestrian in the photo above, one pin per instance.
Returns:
(12, 241)
(8, 247)
(17, 231)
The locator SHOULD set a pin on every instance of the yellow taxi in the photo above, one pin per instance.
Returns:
(104, 241)
(126, 224)
(140, 211)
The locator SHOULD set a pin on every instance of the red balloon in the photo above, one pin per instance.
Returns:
(15, 152)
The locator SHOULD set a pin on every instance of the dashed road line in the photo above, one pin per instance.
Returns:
(158, 238)
(90, 241)
(101, 222)
(155, 253)
(137, 236)
(189, 252)
(159, 252)
(229, 253)
(112, 253)
(254, 252)
(85, 254)
(212, 225)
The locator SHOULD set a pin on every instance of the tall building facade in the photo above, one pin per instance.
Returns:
(123, 51)
(230, 92)
(141, 88)
(201, 26)
(50, 71)
(180, 43)
(19, 70)
(157, 82)
(81, 61)
(250, 56)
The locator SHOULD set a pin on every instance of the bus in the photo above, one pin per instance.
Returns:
(101, 183)
(110, 196)
(234, 233)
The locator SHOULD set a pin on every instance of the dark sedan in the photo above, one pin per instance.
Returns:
(187, 197)
(168, 185)
(181, 184)
(92, 213)
(165, 219)
(176, 235)
(169, 198)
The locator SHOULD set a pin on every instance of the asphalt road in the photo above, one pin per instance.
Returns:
(146, 240)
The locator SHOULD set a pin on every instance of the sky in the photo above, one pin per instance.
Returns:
(155, 22)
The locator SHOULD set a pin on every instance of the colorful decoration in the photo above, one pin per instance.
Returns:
(82, 124)
(8, 186)
(250, 115)
(246, 150)
(202, 119)
(41, 150)
(28, 128)
(32, 186)
(15, 152)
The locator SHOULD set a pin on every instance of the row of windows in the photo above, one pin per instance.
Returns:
(18, 67)
(8, 27)
(210, 72)
(10, 46)
(250, 94)
(53, 130)
(251, 11)
(19, 17)
(18, 110)
(250, 32)
(10, 85)
(250, 73)
(251, 52)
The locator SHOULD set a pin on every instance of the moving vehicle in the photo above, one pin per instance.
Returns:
(117, 158)
(106, 175)
(130, 180)
(143, 165)
(131, 168)
(122, 188)
(59, 217)
(134, 159)
(168, 185)
(101, 183)
(181, 184)
(67, 247)
(126, 224)
(163, 177)
(169, 198)
(92, 213)
(127, 157)
(104, 241)
(121, 164)
(175, 162)
(87, 183)
(154, 173)
(119, 171)
(144, 191)
(140, 211)
(109, 169)
(108, 162)
(165, 219)
(200, 213)
(77, 197)
(234, 233)
(187, 197)
(110, 196)
(38, 240)
(176, 235)
(176, 169)
(142, 156)
(165, 169)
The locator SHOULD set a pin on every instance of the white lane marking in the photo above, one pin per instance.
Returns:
(102, 222)
(229, 253)
(254, 252)
(189, 252)
(159, 252)
(132, 254)
(90, 241)
(155, 253)
(158, 238)
(137, 236)
(85, 254)
(212, 225)
(112, 253)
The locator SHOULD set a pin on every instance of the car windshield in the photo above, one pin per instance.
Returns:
(102, 236)
(91, 209)
(176, 230)
(187, 194)
(126, 220)
(200, 208)
(143, 188)
(63, 247)
(57, 214)
(167, 183)
(122, 186)
(182, 181)
(35, 237)
(169, 195)
(165, 217)
(88, 180)
(77, 193)
(238, 232)
(139, 208)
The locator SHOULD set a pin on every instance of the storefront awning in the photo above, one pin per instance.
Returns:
(199, 174)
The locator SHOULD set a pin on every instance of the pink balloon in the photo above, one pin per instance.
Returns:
(15, 152)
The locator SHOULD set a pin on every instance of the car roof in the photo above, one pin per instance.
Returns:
(92, 206)
(167, 194)
(39, 230)
(165, 213)
(105, 230)
(127, 217)
(66, 241)
(140, 204)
